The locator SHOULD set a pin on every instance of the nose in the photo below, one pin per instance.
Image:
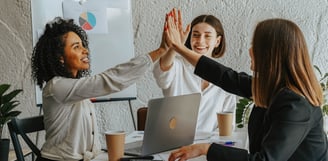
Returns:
(201, 39)
(85, 50)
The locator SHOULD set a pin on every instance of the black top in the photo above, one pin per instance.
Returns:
(289, 129)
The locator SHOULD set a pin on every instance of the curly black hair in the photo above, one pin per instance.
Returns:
(50, 48)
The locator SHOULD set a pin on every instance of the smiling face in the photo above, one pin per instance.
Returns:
(204, 39)
(76, 56)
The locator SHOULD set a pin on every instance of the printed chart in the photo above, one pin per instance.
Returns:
(87, 20)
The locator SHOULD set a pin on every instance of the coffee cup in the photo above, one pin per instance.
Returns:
(115, 144)
(225, 123)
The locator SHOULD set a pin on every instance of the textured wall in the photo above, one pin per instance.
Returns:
(15, 52)
(238, 17)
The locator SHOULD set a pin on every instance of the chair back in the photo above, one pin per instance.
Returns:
(141, 118)
(22, 127)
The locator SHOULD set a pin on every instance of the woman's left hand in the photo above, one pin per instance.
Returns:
(183, 33)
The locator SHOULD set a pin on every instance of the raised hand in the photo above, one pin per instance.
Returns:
(175, 37)
(163, 44)
(172, 31)
(183, 33)
(178, 20)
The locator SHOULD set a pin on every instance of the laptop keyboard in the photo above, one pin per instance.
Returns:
(134, 147)
(135, 150)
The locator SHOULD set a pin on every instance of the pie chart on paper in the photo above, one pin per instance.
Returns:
(87, 20)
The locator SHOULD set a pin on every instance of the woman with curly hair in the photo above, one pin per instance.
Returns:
(61, 68)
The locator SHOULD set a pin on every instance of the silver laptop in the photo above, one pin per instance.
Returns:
(170, 124)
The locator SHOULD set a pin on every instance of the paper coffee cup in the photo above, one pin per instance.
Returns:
(225, 123)
(115, 144)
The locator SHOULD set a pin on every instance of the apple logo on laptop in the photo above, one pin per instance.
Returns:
(173, 123)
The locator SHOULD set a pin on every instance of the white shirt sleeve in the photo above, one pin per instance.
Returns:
(110, 81)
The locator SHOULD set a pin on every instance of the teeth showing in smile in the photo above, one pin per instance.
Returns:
(200, 48)
(85, 60)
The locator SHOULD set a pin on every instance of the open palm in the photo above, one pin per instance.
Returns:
(175, 36)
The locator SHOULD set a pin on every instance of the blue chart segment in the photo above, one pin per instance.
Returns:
(87, 20)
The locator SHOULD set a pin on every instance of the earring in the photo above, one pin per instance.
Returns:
(62, 62)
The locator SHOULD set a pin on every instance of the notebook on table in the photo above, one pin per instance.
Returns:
(170, 124)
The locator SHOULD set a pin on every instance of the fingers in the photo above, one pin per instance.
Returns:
(174, 15)
(180, 20)
(176, 18)
(173, 34)
(171, 22)
(167, 36)
(165, 23)
(187, 30)
(174, 156)
(180, 155)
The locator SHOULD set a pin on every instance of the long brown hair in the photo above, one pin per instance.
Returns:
(281, 60)
(216, 24)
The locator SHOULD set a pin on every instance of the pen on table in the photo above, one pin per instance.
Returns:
(130, 154)
(133, 156)
(137, 157)
(228, 143)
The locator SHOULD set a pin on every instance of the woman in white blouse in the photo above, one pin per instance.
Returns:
(175, 75)
(60, 67)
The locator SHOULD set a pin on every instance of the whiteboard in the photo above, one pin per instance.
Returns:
(106, 49)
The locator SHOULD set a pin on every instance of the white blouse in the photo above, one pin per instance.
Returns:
(69, 115)
(180, 80)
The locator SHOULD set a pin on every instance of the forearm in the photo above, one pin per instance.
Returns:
(191, 56)
(204, 148)
(220, 152)
(156, 54)
(166, 60)
(224, 77)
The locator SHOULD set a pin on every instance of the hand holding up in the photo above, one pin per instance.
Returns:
(175, 35)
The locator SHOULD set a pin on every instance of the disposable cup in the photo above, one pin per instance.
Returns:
(225, 123)
(115, 144)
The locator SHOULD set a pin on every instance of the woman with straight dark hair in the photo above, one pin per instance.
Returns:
(286, 122)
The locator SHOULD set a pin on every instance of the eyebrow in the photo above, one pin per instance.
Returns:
(207, 32)
(75, 43)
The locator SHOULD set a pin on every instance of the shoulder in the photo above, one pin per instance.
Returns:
(289, 105)
(58, 80)
(58, 84)
(52, 82)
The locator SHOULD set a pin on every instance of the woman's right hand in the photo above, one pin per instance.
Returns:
(172, 33)
(174, 38)
(176, 20)
(190, 151)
